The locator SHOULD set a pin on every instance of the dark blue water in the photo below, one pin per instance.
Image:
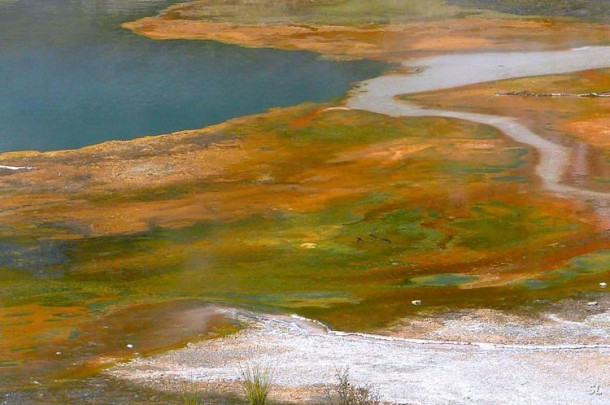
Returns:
(72, 77)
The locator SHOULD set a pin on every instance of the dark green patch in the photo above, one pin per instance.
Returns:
(592, 10)
(342, 12)
(358, 127)
(303, 300)
(440, 280)
(500, 225)
(17, 314)
(24, 349)
(520, 179)
(67, 299)
(74, 334)
(515, 159)
(53, 227)
(17, 323)
(400, 229)
(535, 284)
(100, 306)
(592, 268)
(144, 194)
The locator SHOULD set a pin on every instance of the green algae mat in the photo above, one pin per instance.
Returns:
(346, 217)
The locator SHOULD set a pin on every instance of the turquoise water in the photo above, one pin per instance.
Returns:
(74, 77)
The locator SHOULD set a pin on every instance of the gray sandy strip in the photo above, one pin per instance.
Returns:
(302, 354)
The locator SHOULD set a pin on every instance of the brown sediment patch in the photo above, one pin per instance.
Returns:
(578, 123)
(388, 42)
(157, 179)
(307, 118)
(142, 162)
(50, 324)
(453, 43)
(595, 131)
(206, 175)
(69, 342)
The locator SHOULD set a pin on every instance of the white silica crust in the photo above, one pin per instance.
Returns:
(302, 353)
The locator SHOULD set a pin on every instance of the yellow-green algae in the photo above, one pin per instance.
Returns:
(343, 210)
(332, 12)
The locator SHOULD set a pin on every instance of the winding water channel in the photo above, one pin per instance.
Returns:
(416, 370)
(449, 71)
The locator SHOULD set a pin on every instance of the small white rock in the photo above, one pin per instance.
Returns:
(416, 302)
(58, 353)
(603, 285)
(129, 346)
(592, 303)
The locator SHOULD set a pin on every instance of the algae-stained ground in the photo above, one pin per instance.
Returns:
(580, 123)
(330, 213)
(343, 216)
(386, 30)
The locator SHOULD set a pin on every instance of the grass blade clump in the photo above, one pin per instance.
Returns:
(256, 384)
(192, 398)
(191, 395)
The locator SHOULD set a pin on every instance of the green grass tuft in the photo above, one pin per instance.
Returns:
(192, 398)
(191, 395)
(256, 383)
